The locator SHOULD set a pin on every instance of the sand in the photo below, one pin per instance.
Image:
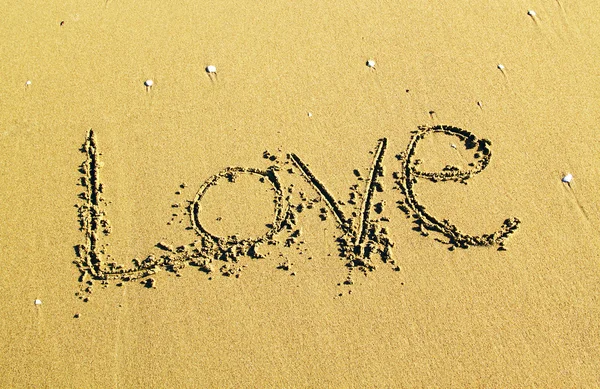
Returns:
(356, 195)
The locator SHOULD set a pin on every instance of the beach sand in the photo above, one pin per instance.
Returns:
(292, 123)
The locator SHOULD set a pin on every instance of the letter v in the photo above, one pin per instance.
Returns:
(358, 231)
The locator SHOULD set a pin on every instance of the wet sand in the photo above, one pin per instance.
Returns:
(359, 194)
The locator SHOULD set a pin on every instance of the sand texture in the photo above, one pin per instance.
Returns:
(300, 194)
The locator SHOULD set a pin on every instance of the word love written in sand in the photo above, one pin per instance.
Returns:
(362, 236)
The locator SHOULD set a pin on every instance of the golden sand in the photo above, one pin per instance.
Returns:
(356, 195)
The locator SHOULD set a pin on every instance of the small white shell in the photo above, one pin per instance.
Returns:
(531, 13)
(37, 302)
(453, 146)
(28, 82)
(148, 83)
(500, 66)
(568, 178)
(310, 114)
(371, 63)
(211, 69)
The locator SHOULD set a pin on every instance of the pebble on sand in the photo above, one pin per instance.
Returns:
(148, 83)
(371, 63)
(211, 69)
(28, 83)
(500, 66)
(37, 302)
(531, 13)
(567, 178)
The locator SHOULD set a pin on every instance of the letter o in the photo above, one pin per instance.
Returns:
(281, 210)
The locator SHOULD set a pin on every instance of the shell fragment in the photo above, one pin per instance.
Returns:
(567, 178)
